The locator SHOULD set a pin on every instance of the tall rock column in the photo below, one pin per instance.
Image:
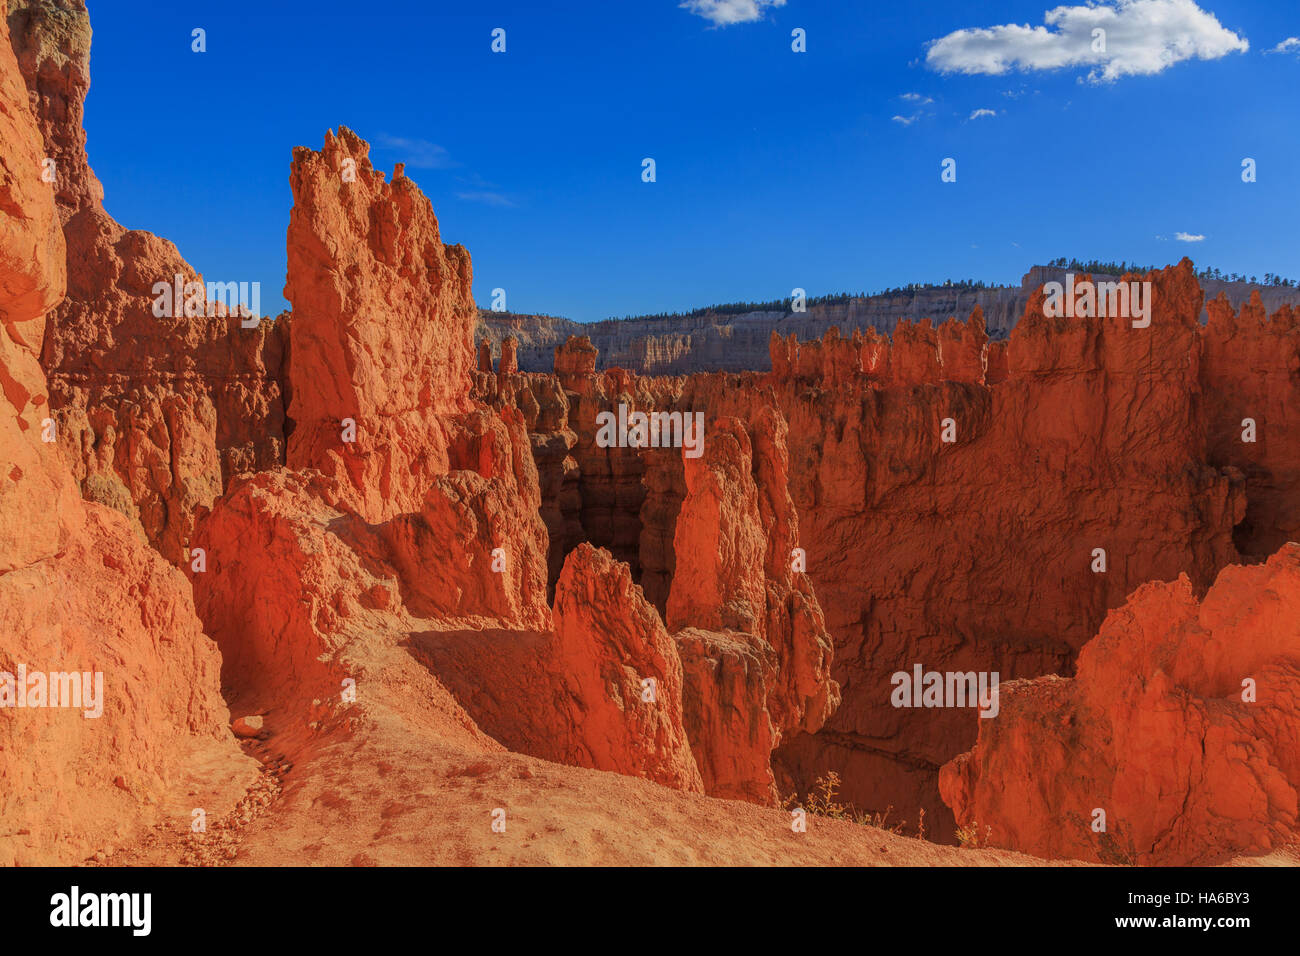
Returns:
(751, 635)
(381, 339)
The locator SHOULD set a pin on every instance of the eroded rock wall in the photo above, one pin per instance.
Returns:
(1177, 742)
(1086, 458)
(710, 536)
(1250, 371)
(978, 554)
(110, 690)
(154, 413)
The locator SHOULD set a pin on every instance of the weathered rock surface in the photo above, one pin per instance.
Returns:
(430, 515)
(154, 414)
(1098, 436)
(1250, 371)
(608, 642)
(753, 638)
(1182, 725)
(51, 39)
(477, 546)
(34, 488)
(119, 707)
(109, 605)
(711, 539)
(381, 331)
(979, 554)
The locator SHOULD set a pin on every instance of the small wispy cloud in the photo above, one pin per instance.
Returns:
(474, 179)
(983, 112)
(917, 98)
(417, 153)
(488, 198)
(1188, 237)
(1289, 45)
(724, 13)
(907, 120)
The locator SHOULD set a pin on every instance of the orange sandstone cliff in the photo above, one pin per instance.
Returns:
(86, 605)
(1175, 742)
(153, 414)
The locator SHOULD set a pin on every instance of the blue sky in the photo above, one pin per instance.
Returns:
(774, 169)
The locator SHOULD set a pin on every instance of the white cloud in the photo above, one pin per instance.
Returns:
(907, 120)
(1142, 37)
(723, 13)
(917, 98)
(1188, 237)
(982, 112)
(1289, 45)
(419, 153)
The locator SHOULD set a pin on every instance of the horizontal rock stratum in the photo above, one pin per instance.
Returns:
(359, 595)
(726, 341)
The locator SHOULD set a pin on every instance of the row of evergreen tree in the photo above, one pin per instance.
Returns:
(1093, 266)
(1119, 268)
(783, 305)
